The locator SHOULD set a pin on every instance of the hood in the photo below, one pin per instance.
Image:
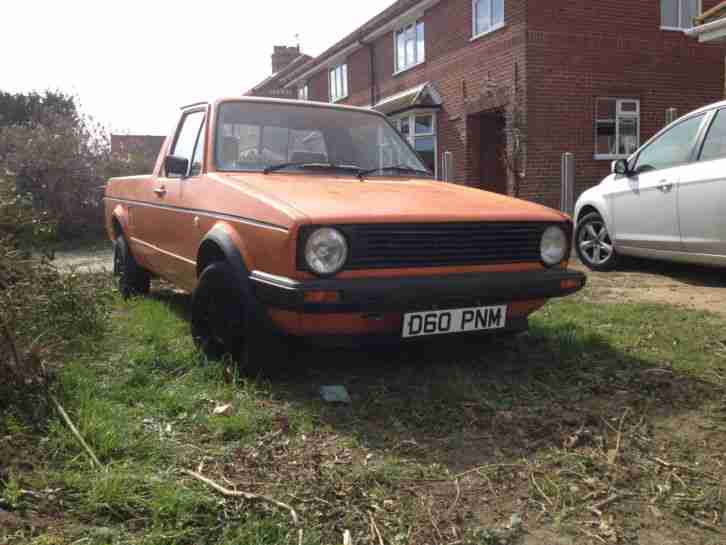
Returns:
(333, 199)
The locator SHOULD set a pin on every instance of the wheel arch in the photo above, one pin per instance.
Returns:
(222, 244)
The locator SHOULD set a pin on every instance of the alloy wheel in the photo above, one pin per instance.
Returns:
(595, 243)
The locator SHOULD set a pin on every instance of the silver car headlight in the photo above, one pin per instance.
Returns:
(553, 246)
(326, 251)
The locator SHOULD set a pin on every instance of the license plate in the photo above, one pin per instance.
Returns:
(460, 320)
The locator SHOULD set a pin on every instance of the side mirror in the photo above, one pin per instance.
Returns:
(176, 166)
(620, 167)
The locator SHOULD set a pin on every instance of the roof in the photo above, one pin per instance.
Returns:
(421, 95)
(299, 60)
(305, 103)
(716, 12)
(359, 36)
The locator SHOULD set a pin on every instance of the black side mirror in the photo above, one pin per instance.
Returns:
(176, 166)
(620, 167)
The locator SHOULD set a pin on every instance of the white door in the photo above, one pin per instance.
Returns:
(645, 203)
(702, 194)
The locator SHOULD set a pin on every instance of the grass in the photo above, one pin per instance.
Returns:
(604, 424)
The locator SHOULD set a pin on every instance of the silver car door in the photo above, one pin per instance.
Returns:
(644, 203)
(702, 196)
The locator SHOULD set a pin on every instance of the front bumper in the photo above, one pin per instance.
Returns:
(414, 293)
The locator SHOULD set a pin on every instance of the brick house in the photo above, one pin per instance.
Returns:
(508, 86)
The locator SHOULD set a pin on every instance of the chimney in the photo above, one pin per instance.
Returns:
(283, 55)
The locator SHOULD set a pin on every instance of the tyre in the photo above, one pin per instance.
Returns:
(132, 279)
(224, 324)
(219, 313)
(593, 243)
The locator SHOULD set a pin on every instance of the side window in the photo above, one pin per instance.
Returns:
(672, 148)
(714, 146)
(187, 136)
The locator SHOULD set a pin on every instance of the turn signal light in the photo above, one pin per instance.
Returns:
(569, 284)
(321, 297)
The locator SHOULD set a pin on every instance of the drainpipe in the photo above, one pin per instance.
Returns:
(372, 57)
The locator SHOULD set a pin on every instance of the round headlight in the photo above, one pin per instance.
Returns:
(326, 251)
(553, 246)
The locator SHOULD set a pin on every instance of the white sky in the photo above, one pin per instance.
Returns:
(132, 63)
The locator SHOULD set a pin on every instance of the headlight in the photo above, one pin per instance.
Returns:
(326, 251)
(553, 246)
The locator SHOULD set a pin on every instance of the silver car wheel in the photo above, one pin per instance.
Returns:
(594, 242)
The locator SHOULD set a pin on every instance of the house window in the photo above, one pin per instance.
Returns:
(338, 78)
(678, 14)
(419, 128)
(410, 47)
(487, 15)
(302, 92)
(617, 127)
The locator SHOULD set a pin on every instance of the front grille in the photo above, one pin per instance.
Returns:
(378, 246)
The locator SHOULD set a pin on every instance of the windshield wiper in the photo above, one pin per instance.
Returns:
(397, 168)
(273, 168)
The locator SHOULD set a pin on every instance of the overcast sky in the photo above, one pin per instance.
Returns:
(133, 63)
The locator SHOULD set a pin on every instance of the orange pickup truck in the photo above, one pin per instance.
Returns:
(320, 221)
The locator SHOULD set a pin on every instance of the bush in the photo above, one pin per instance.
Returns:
(52, 165)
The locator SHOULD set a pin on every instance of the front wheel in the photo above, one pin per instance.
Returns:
(594, 245)
(218, 313)
(223, 323)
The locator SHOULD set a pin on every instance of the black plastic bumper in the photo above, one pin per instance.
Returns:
(412, 293)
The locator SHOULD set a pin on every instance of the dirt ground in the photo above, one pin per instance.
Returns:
(686, 286)
(644, 281)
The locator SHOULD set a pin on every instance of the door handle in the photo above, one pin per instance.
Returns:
(665, 186)
(160, 191)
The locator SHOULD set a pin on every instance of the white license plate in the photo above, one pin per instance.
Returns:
(460, 320)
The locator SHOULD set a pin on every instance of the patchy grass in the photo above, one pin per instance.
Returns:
(604, 424)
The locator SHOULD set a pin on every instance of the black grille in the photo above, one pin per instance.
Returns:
(389, 246)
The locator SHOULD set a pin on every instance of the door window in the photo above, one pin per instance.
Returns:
(186, 139)
(674, 147)
(714, 147)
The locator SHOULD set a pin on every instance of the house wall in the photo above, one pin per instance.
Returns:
(548, 64)
(579, 50)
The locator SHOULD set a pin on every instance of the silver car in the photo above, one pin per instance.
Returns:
(666, 201)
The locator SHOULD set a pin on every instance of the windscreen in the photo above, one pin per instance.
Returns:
(252, 136)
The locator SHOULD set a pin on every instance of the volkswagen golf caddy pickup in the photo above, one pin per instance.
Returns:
(319, 221)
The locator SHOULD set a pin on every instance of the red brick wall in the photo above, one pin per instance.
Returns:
(579, 50)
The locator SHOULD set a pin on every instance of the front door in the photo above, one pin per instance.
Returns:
(493, 173)
(645, 203)
(165, 223)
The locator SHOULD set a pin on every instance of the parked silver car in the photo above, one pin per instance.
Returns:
(666, 201)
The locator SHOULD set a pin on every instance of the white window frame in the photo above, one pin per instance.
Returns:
(340, 70)
(680, 8)
(303, 92)
(411, 136)
(398, 67)
(475, 32)
(619, 114)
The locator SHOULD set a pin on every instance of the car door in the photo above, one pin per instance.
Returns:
(702, 194)
(166, 221)
(645, 202)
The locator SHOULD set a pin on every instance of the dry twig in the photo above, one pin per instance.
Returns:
(246, 495)
(595, 508)
(375, 529)
(703, 524)
(75, 432)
